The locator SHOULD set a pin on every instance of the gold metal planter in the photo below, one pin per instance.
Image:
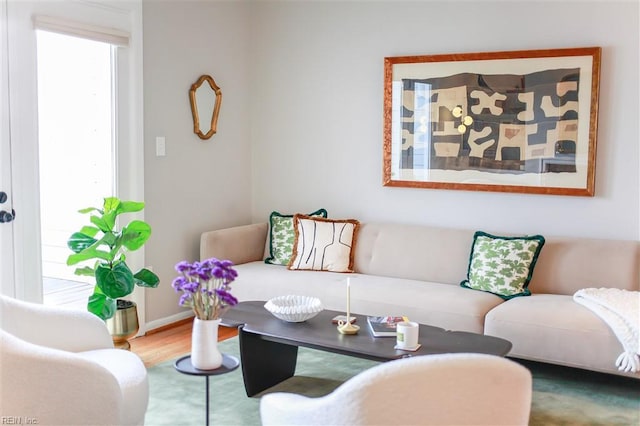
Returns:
(124, 324)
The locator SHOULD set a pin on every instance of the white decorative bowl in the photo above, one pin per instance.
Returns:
(294, 308)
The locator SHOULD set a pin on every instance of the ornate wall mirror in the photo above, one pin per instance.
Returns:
(205, 106)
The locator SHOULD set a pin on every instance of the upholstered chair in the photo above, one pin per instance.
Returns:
(59, 367)
(448, 389)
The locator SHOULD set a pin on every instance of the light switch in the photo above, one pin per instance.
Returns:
(160, 146)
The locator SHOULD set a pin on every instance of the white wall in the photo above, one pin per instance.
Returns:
(199, 185)
(317, 116)
(302, 85)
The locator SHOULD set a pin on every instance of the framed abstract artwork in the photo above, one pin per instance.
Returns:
(517, 121)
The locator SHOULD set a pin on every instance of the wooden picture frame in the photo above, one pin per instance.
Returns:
(516, 121)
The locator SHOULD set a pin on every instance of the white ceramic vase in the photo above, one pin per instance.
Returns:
(204, 344)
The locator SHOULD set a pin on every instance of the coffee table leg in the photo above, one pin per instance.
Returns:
(265, 363)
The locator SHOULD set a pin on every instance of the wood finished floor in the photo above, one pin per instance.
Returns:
(170, 342)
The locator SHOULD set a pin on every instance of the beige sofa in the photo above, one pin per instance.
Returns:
(416, 270)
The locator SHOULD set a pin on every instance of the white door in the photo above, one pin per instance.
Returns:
(118, 22)
(6, 227)
(20, 261)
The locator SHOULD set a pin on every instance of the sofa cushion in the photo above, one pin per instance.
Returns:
(323, 244)
(440, 305)
(415, 252)
(553, 328)
(282, 236)
(502, 265)
(567, 265)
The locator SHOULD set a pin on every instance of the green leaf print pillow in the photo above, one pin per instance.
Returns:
(282, 235)
(502, 265)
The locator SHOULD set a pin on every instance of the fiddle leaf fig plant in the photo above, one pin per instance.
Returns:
(101, 241)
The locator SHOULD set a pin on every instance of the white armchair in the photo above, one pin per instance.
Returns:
(59, 367)
(448, 389)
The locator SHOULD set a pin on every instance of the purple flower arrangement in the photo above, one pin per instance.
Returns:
(205, 287)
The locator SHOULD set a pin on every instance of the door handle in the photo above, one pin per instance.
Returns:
(5, 216)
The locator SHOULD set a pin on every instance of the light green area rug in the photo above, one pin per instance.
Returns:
(561, 396)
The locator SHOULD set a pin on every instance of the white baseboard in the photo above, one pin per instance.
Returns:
(151, 325)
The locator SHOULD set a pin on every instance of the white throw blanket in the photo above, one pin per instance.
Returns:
(620, 309)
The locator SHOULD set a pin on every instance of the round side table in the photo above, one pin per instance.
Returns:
(184, 366)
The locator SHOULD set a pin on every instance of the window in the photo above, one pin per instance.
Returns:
(76, 140)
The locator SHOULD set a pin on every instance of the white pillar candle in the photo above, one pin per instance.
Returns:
(349, 300)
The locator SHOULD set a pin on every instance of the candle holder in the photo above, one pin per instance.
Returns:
(345, 327)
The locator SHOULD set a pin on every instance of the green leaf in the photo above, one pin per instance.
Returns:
(114, 207)
(89, 210)
(146, 278)
(111, 204)
(101, 224)
(109, 239)
(135, 234)
(111, 211)
(93, 252)
(86, 271)
(79, 241)
(115, 281)
(131, 206)
(91, 231)
(110, 219)
(101, 305)
(86, 254)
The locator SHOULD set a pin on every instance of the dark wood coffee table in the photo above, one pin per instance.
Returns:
(269, 346)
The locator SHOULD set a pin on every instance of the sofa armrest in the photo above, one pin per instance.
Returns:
(240, 244)
(56, 387)
(54, 327)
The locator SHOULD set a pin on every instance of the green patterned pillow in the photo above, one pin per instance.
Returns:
(502, 265)
(282, 236)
